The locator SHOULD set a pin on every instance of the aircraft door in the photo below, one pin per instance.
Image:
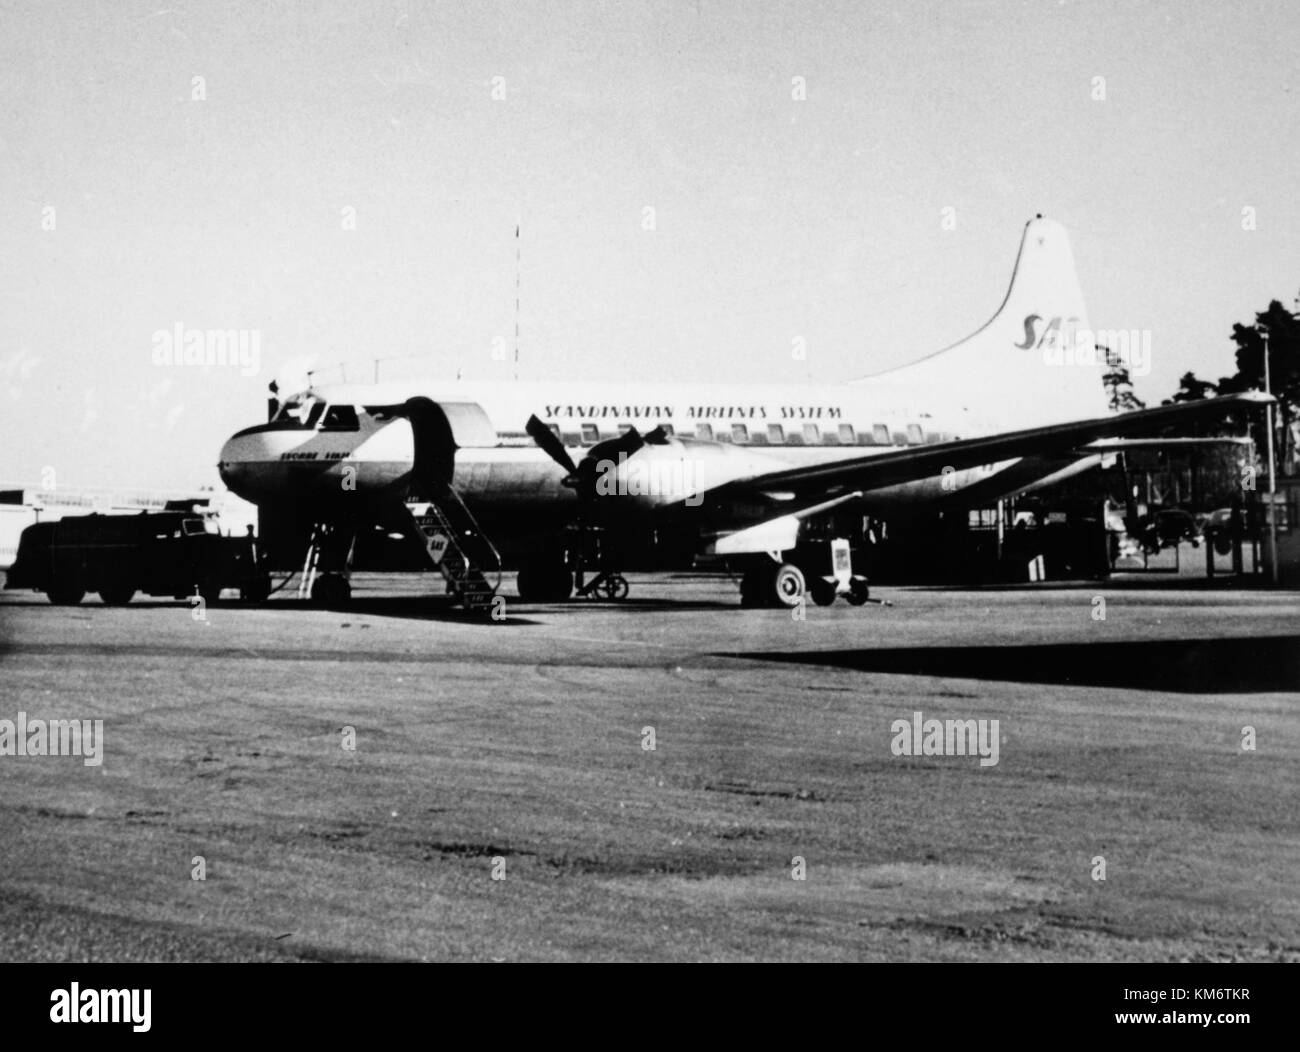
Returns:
(442, 428)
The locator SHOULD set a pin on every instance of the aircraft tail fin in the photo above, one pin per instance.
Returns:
(1037, 355)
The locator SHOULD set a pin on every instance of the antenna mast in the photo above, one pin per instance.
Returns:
(518, 223)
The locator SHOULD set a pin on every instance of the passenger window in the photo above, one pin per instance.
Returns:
(704, 432)
(811, 434)
(667, 429)
(880, 433)
(915, 435)
(739, 433)
(847, 436)
(590, 434)
(776, 434)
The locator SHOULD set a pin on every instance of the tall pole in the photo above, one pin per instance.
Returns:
(1272, 474)
(518, 224)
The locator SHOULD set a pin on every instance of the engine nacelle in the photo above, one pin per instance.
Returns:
(674, 472)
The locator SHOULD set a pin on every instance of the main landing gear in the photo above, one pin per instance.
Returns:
(784, 579)
(556, 577)
(554, 582)
(325, 570)
(545, 581)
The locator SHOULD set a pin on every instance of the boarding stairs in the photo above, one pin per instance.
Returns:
(458, 548)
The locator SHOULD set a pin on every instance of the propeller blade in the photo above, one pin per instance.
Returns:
(657, 437)
(628, 443)
(602, 457)
(550, 444)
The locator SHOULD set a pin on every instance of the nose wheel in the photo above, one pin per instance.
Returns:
(331, 590)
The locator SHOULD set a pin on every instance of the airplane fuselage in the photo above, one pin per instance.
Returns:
(333, 445)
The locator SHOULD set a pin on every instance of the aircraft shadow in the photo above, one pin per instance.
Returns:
(632, 606)
(413, 608)
(1134, 583)
(1187, 666)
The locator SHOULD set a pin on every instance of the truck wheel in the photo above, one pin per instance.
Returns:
(117, 594)
(66, 594)
(822, 592)
(859, 593)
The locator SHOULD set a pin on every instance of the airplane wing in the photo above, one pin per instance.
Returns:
(918, 462)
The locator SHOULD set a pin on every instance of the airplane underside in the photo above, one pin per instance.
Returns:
(556, 545)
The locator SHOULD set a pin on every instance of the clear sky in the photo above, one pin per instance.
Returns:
(775, 218)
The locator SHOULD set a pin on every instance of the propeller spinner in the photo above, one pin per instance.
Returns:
(582, 476)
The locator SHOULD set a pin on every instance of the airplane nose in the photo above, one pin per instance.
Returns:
(271, 463)
(236, 463)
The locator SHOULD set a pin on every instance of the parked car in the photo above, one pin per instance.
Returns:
(1168, 527)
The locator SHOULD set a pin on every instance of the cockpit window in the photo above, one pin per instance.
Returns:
(193, 527)
(383, 412)
(340, 418)
(303, 413)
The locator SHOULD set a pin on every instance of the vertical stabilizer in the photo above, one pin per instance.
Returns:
(1036, 359)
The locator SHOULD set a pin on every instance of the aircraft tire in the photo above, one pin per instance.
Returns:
(822, 592)
(331, 590)
(788, 585)
(256, 591)
(753, 587)
(544, 583)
